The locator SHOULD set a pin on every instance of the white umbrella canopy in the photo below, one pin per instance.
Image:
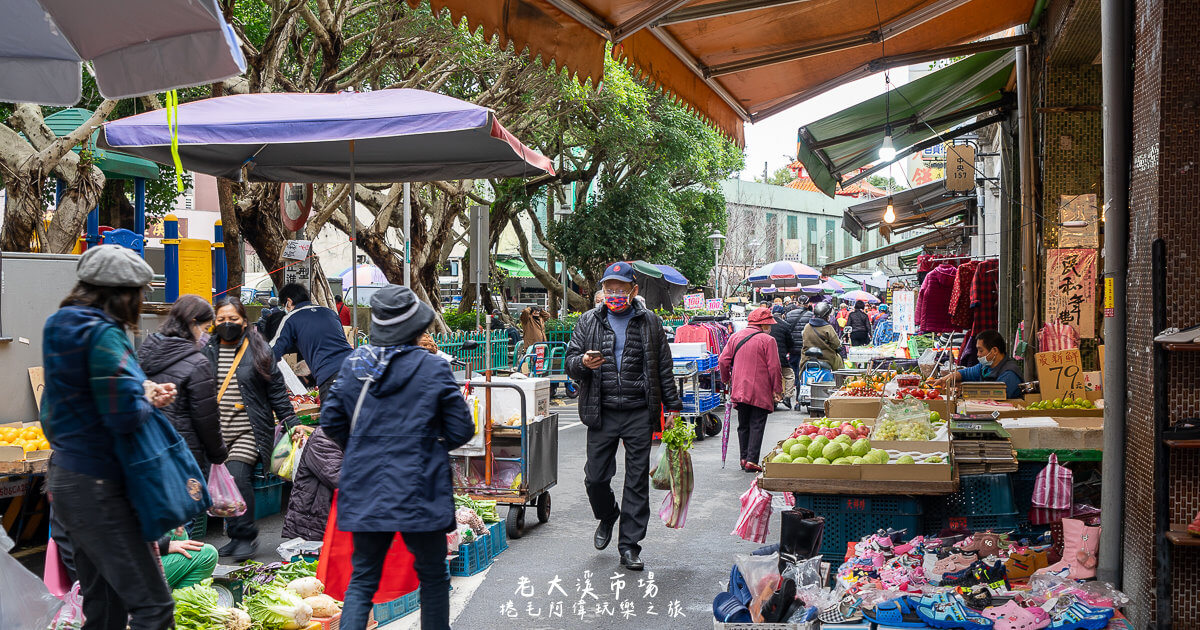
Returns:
(136, 47)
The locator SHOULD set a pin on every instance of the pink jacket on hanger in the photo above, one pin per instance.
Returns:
(933, 301)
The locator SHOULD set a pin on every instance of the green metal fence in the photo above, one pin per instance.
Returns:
(452, 344)
(562, 336)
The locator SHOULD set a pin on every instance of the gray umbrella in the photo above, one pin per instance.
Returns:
(136, 47)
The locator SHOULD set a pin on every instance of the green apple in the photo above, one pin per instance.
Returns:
(821, 460)
(782, 458)
(815, 450)
(802, 460)
(860, 447)
(906, 459)
(833, 450)
(798, 450)
(786, 447)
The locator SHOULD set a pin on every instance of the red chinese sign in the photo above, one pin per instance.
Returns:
(1071, 289)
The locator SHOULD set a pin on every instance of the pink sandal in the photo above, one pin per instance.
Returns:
(1012, 616)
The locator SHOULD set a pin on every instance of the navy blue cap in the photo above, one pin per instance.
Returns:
(622, 271)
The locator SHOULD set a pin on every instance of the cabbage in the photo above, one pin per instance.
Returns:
(306, 586)
(236, 619)
(196, 608)
(277, 608)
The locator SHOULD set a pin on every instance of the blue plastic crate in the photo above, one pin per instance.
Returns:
(706, 401)
(497, 538)
(982, 502)
(198, 528)
(1023, 481)
(268, 497)
(402, 606)
(848, 518)
(473, 557)
(707, 363)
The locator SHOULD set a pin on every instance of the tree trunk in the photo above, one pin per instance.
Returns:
(259, 220)
(232, 229)
(115, 209)
(22, 214)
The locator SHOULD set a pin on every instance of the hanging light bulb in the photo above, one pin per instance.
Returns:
(889, 215)
(887, 151)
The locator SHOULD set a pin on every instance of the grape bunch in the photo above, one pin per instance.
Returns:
(889, 429)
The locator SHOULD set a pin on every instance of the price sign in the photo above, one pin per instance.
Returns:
(693, 301)
(1060, 372)
(904, 316)
(37, 379)
(714, 304)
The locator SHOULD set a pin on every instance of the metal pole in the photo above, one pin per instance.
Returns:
(1028, 233)
(220, 268)
(139, 212)
(407, 236)
(171, 256)
(565, 307)
(716, 268)
(353, 248)
(1114, 50)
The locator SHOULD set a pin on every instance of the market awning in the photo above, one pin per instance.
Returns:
(741, 61)
(516, 268)
(915, 208)
(919, 114)
(933, 238)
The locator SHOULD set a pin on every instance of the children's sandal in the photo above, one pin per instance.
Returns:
(944, 610)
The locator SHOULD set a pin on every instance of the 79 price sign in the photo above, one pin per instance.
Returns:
(1059, 371)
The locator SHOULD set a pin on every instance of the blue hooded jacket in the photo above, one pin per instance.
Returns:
(396, 469)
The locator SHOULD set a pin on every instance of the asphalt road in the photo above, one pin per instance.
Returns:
(685, 568)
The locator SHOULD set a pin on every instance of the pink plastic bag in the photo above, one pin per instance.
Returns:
(755, 517)
(1053, 486)
(54, 574)
(226, 500)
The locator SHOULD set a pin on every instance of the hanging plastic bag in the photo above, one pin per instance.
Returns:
(660, 475)
(70, 616)
(227, 501)
(474, 447)
(283, 449)
(27, 602)
(673, 511)
(1052, 489)
(287, 469)
(755, 518)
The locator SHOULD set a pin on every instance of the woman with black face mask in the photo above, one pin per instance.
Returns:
(252, 398)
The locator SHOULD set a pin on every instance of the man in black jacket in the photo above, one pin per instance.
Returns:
(620, 357)
(315, 333)
(782, 332)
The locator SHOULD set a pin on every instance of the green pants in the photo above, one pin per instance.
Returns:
(182, 572)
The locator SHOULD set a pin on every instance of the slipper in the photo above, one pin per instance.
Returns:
(844, 611)
(727, 609)
(943, 610)
(897, 613)
(1012, 616)
(1080, 617)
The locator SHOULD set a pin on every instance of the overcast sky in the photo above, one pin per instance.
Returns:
(774, 140)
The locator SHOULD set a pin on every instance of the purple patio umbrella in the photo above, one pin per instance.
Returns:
(857, 294)
(379, 136)
(782, 273)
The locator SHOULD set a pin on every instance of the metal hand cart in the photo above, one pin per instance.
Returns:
(538, 460)
(550, 363)
(700, 406)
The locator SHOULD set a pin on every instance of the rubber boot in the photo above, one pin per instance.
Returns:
(1080, 544)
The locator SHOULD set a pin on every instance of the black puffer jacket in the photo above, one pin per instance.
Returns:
(781, 331)
(194, 413)
(316, 478)
(265, 400)
(798, 319)
(858, 322)
(646, 377)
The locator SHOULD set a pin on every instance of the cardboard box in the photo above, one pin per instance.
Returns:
(1073, 433)
(984, 390)
(909, 472)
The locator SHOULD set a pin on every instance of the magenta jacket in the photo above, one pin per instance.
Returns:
(933, 301)
(757, 378)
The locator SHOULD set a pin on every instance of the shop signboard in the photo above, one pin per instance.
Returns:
(1060, 372)
(1110, 305)
(1071, 289)
(714, 304)
(904, 318)
(693, 301)
(299, 265)
(960, 167)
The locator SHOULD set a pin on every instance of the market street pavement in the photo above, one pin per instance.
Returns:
(688, 566)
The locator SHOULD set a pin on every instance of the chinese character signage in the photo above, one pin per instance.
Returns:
(693, 301)
(904, 307)
(960, 167)
(1060, 372)
(1071, 289)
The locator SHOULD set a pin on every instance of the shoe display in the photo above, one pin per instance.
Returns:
(1021, 565)
(945, 610)
(1080, 544)
(985, 544)
(896, 613)
(1012, 616)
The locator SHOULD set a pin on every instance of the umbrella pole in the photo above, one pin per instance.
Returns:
(407, 237)
(353, 244)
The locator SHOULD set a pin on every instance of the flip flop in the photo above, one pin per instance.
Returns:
(897, 613)
(779, 604)
(844, 611)
(727, 609)
(943, 610)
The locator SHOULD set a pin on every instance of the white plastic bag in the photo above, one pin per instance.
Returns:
(25, 602)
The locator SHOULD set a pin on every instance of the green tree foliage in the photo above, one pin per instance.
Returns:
(780, 177)
(879, 181)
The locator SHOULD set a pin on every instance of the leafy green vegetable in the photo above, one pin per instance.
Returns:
(196, 608)
(679, 437)
(278, 608)
(485, 509)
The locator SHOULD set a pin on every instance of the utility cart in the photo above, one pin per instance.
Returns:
(529, 449)
(548, 359)
(700, 404)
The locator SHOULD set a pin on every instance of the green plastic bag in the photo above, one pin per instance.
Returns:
(283, 450)
(660, 475)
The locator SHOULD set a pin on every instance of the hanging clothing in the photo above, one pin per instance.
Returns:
(714, 334)
(933, 301)
(985, 297)
(960, 298)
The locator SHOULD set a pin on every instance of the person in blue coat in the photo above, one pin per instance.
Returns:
(397, 412)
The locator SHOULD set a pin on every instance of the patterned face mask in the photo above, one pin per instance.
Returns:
(616, 303)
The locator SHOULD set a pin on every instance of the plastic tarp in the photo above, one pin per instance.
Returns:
(841, 143)
(915, 208)
(938, 236)
(136, 47)
(399, 135)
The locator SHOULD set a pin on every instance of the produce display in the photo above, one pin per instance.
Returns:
(196, 608)
(28, 438)
(1063, 403)
(843, 450)
(279, 596)
(278, 608)
(485, 509)
(301, 400)
(906, 420)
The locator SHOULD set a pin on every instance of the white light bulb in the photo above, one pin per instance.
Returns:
(887, 151)
(889, 215)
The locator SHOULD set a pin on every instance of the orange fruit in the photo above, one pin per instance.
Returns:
(30, 446)
(28, 433)
(43, 445)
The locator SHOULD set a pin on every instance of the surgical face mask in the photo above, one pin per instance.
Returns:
(229, 331)
(616, 301)
(985, 361)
